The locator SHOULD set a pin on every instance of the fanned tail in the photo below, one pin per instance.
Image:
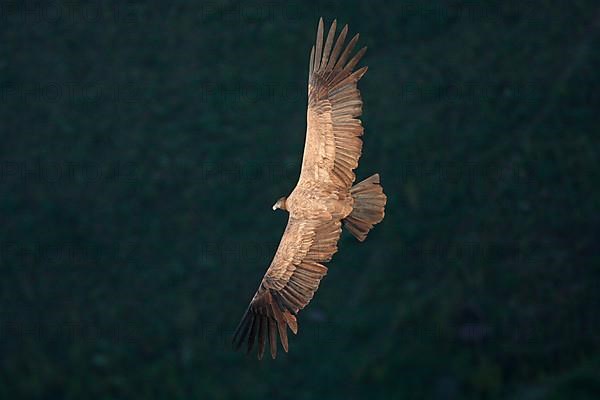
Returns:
(369, 207)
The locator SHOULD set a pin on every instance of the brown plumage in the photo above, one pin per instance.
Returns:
(322, 200)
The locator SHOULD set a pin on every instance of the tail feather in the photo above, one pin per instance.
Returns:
(369, 207)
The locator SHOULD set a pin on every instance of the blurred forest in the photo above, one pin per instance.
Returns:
(143, 145)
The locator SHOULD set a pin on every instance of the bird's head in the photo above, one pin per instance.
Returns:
(280, 204)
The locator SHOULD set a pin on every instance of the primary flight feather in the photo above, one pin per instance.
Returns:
(323, 198)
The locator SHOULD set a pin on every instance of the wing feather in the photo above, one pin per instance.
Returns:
(346, 53)
(339, 43)
(328, 44)
(273, 337)
(319, 44)
(311, 61)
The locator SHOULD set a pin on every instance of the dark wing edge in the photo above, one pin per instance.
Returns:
(272, 311)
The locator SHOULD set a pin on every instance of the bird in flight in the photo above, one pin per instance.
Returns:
(323, 200)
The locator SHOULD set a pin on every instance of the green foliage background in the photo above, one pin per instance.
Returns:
(144, 143)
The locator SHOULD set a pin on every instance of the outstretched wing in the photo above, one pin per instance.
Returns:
(289, 284)
(333, 145)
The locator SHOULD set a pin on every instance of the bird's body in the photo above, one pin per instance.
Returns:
(314, 200)
(323, 200)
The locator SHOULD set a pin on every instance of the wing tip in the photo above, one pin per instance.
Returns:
(361, 72)
(263, 320)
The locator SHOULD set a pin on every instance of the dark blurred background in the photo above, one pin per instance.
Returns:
(144, 144)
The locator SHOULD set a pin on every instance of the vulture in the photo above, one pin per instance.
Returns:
(323, 200)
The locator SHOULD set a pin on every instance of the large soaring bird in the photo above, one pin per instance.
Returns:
(323, 198)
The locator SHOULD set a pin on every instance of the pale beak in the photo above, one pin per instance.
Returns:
(274, 206)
